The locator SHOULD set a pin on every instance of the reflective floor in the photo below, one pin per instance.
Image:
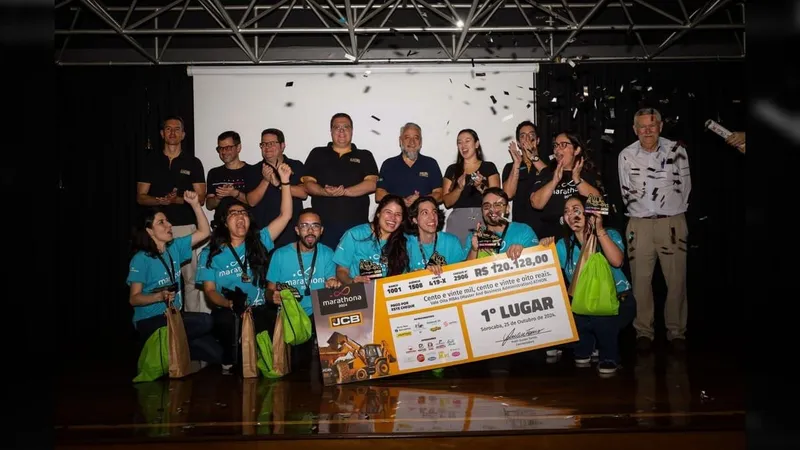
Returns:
(699, 390)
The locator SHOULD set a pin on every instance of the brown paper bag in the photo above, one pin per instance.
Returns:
(281, 354)
(249, 356)
(180, 364)
(589, 248)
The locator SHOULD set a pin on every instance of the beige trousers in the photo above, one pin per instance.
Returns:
(665, 239)
(194, 300)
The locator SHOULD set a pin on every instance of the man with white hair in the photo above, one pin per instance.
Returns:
(410, 174)
(655, 182)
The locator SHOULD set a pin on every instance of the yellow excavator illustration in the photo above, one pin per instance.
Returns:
(345, 360)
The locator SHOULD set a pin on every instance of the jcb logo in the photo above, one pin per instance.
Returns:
(343, 321)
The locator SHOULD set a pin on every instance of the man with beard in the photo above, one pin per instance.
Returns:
(264, 187)
(410, 174)
(305, 266)
(509, 237)
(226, 183)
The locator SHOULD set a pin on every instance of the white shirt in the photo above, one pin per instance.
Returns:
(655, 183)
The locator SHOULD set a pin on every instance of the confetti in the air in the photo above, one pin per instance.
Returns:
(494, 111)
(349, 57)
(289, 104)
(376, 132)
(376, 118)
(494, 100)
(505, 92)
(508, 117)
(289, 83)
(366, 89)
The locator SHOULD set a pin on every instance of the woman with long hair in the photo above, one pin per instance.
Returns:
(595, 332)
(155, 281)
(573, 174)
(376, 249)
(233, 269)
(464, 182)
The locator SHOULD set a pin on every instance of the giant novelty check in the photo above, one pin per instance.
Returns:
(474, 310)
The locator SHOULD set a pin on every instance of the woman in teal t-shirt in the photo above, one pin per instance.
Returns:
(428, 246)
(154, 277)
(233, 270)
(376, 249)
(601, 332)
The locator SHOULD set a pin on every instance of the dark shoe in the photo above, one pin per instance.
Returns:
(644, 344)
(678, 345)
(607, 367)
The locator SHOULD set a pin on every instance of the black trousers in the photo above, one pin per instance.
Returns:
(228, 329)
(202, 345)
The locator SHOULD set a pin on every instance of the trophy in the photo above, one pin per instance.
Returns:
(488, 240)
(596, 204)
(370, 269)
(283, 286)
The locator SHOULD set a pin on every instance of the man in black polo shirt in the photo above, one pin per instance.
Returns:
(163, 179)
(410, 174)
(339, 177)
(263, 186)
(519, 175)
(226, 183)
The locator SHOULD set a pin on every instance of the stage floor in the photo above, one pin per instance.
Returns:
(700, 391)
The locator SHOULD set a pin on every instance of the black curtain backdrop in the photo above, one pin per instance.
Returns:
(686, 94)
(106, 117)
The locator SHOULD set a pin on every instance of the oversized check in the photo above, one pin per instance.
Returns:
(474, 310)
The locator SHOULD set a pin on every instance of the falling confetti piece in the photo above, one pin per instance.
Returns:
(507, 138)
(494, 111)
(349, 57)
(366, 89)
(508, 117)
(451, 80)
(376, 132)
(289, 83)
(480, 88)
(467, 86)
(480, 74)
(366, 74)
(608, 131)
(494, 100)
(289, 104)
(505, 92)
(350, 74)
(376, 118)
(554, 100)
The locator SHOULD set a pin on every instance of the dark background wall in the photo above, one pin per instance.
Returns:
(105, 117)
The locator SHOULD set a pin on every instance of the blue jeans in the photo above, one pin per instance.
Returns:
(602, 332)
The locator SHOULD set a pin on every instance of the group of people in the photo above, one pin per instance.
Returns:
(262, 240)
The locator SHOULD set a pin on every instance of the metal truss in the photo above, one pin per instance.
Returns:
(395, 31)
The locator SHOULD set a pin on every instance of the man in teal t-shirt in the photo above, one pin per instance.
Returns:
(306, 265)
(512, 237)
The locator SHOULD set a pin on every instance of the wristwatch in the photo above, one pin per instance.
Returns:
(535, 158)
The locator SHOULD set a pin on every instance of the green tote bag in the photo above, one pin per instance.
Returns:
(595, 292)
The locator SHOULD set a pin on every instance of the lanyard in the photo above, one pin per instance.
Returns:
(425, 259)
(242, 265)
(303, 270)
(503, 236)
(170, 268)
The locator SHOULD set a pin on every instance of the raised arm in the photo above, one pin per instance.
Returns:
(277, 226)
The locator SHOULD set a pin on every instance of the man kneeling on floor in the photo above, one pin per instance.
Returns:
(303, 266)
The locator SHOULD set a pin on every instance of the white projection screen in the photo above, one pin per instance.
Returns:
(442, 99)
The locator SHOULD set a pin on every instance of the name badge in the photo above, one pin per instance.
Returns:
(185, 172)
(355, 160)
(423, 174)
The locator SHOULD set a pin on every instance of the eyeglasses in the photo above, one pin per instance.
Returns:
(237, 212)
(340, 128)
(531, 135)
(226, 148)
(496, 205)
(561, 145)
(314, 226)
(269, 144)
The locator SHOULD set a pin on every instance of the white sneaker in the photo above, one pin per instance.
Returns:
(595, 355)
(553, 352)
(226, 369)
(583, 362)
